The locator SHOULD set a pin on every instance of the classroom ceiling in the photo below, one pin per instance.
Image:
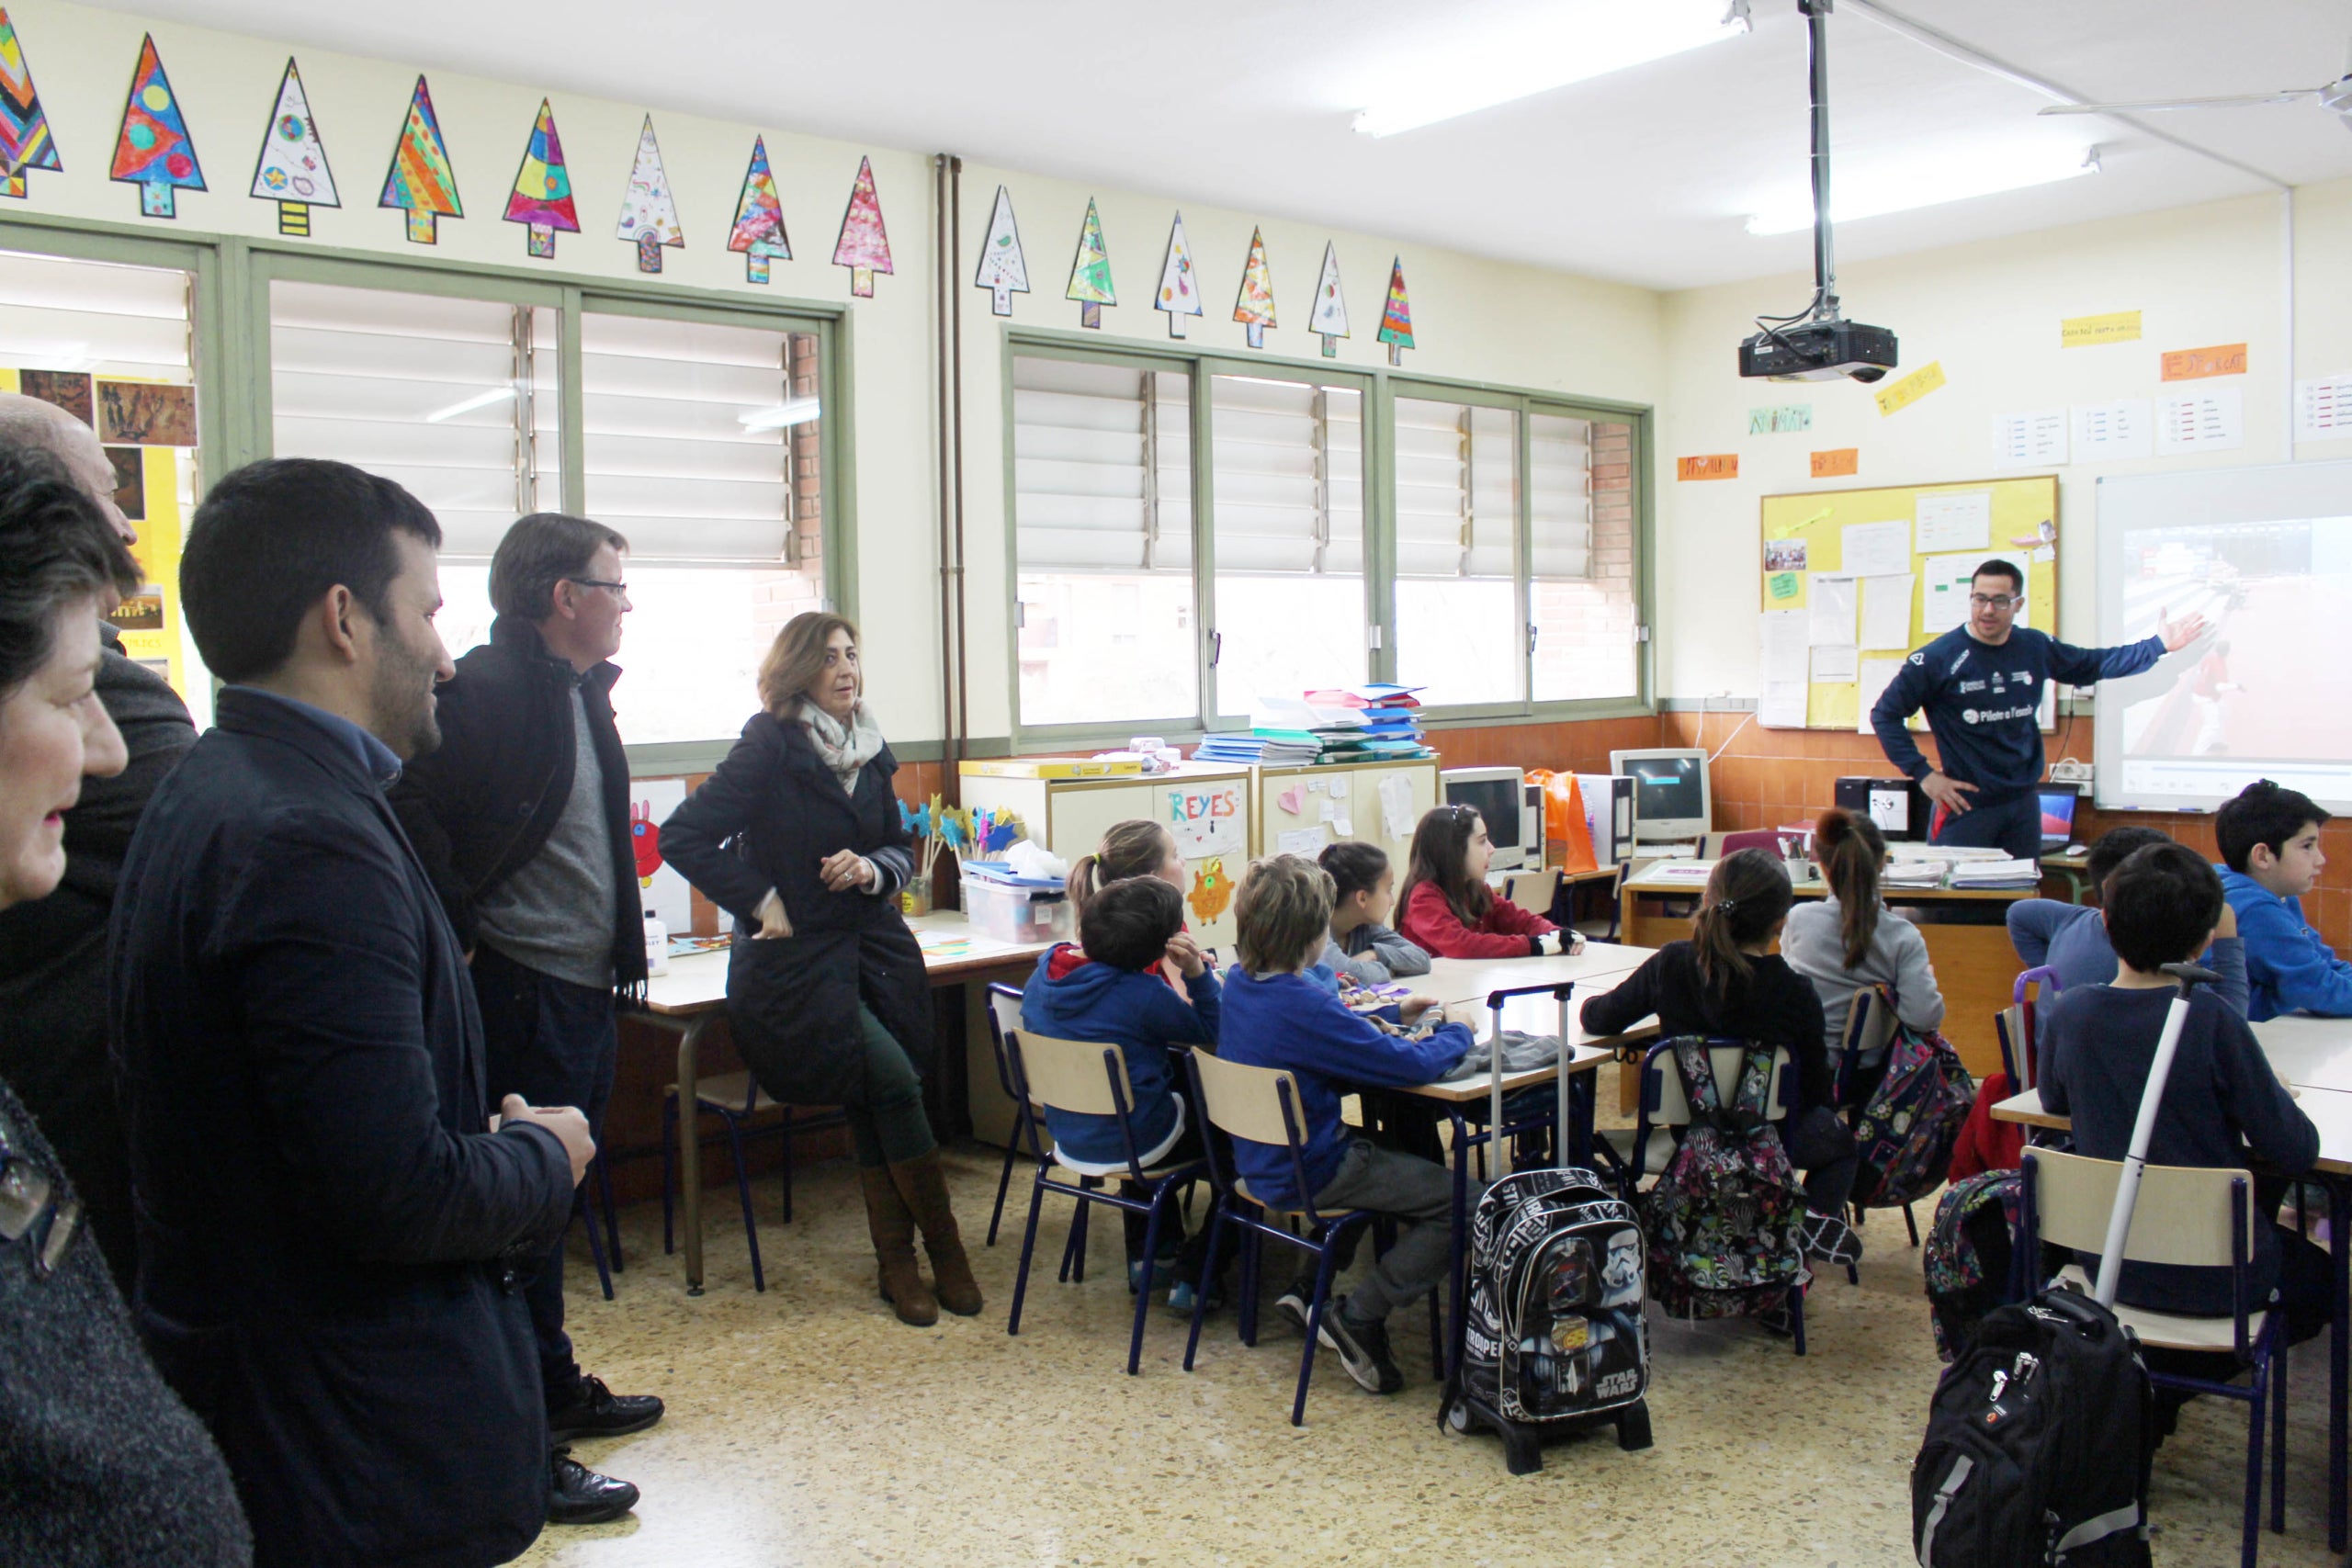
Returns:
(1645, 175)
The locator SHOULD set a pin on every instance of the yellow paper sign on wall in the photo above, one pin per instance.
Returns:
(2083, 331)
(1911, 388)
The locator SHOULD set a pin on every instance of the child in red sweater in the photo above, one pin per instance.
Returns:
(1449, 909)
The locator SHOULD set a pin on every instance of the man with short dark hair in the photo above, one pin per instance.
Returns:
(1981, 684)
(521, 817)
(332, 1225)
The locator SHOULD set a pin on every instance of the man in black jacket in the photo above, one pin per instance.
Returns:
(53, 952)
(521, 818)
(330, 1235)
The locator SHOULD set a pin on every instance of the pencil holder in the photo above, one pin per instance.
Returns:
(915, 897)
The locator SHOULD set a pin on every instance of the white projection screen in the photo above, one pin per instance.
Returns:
(2265, 555)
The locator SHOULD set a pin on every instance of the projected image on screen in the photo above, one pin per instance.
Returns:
(2266, 693)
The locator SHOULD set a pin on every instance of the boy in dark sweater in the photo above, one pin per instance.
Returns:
(1278, 1013)
(2221, 1105)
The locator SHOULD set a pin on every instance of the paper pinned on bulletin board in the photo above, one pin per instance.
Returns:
(1397, 806)
(1307, 842)
(1780, 702)
(1340, 786)
(1833, 666)
(1876, 675)
(1344, 826)
(1829, 610)
(1206, 818)
(1955, 521)
(1886, 611)
(1944, 604)
(1874, 549)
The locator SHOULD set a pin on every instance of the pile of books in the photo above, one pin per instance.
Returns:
(1372, 723)
(1973, 874)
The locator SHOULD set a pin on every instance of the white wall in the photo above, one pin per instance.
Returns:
(1989, 313)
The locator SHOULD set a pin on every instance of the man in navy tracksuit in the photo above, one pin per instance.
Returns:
(1981, 684)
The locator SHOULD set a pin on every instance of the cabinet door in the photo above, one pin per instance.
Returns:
(1082, 814)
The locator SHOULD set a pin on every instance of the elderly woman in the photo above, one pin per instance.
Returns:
(102, 1462)
(827, 995)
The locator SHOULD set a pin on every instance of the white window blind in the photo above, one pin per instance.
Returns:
(456, 399)
(1288, 464)
(687, 427)
(1102, 467)
(1457, 491)
(1559, 497)
(89, 317)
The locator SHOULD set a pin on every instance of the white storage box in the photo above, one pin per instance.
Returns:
(1022, 911)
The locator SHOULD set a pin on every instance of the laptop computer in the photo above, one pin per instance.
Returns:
(2057, 818)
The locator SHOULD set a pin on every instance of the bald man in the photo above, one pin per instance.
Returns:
(53, 1047)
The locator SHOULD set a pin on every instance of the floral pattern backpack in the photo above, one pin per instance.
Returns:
(1724, 1219)
(1907, 1131)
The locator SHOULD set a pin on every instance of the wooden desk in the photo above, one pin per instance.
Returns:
(693, 993)
(2074, 869)
(1968, 943)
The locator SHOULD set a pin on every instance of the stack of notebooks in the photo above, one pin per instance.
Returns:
(1373, 723)
(1975, 873)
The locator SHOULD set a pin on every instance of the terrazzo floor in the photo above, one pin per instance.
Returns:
(807, 1426)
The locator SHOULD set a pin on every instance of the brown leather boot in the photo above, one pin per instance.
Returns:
(924, 1185)
(893, 1229)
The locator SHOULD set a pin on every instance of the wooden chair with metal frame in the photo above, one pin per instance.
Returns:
(1005, 1016)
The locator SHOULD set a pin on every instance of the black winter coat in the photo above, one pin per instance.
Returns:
(479, 806)
(793, 1002)
(327, 1234)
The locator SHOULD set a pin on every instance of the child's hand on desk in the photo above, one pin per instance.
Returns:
(1413, 1010)
(1185, 954)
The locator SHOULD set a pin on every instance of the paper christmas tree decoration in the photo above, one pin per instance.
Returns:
(1396, 319)
(1254, 306)
(759, 218)
(1330, 317)
(25, 142)
(1089, 272)
(648, 210)
(541, 199)
(152, 150)
(1005, 271)
(865, 245)
(419, 182)
(1180, 286)
(292, 169)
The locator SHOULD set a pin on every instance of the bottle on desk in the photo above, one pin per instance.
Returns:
(657, 945)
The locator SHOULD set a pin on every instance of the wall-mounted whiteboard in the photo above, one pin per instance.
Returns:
(2265, 555)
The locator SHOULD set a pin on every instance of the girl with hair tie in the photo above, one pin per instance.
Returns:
(1851, 939)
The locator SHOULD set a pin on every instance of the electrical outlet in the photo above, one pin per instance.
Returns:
(2070, 773)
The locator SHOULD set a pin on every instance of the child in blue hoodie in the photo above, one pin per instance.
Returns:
(2269, 839)
(1109, 990)
(1282, 1010)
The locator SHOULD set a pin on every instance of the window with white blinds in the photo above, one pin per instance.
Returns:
(1582, 589)
(456, 399)
(1459, 632)
(1288, 465)
(1102, 542)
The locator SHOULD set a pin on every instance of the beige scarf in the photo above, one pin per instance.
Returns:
(846, 748)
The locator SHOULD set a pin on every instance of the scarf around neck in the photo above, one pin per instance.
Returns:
(845, 748)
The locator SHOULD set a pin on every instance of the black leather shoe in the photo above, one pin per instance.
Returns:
(578, 1496)
(597, 1411)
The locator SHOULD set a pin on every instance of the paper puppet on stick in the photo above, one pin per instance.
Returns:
(1180, 286)
(419, 182)
(865, 244)
(1005, 271)
(759, 232)
(1254, 306)
(25, 140)
(541, 199)
(1397, 317)
(293, 168)
(1330, 317)
(1089, 272)
(152, 150)
(649, 209)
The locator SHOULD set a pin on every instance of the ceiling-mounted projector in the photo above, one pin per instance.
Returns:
(1818, 344)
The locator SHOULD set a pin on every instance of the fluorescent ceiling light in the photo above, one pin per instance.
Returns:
(1572, 43)
(483, 400)
(780, 416)
(1903, 185)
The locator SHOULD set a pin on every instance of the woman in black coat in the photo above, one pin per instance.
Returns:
(825, 985)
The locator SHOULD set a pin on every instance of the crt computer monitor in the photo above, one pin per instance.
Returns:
(1500, 795)
(1671, 798)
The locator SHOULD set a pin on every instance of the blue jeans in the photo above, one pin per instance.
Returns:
(2013, 827)
(554, 1043)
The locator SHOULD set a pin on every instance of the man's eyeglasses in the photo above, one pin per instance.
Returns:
(35, 1205)
(1992, 601)
(597, 582)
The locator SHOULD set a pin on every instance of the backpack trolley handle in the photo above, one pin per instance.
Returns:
(1558, 990)
(2187, 976)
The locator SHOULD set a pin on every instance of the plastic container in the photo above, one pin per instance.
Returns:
(657, 945)
(1010, 912)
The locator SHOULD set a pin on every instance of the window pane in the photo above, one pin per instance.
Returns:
(1459, 627)
(1103, 522)
(1584, 611)
(1459, 638)
(1288, 461)
(65, 327)
(456, 399)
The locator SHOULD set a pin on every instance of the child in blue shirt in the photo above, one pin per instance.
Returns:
(2269, 839)
(1109, 991)
(1282, 1012)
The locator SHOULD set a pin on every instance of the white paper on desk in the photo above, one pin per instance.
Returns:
(1834, 666)
(2212, 420)
(1397, 806)
(1873, 548)
(1876, 675)
(2105, 432)
(1962, 520)
(1829, 610)
(2033, 439)
(1886, 611)
(1307, 842)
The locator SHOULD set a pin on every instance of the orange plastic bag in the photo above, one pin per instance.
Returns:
(1567, 834)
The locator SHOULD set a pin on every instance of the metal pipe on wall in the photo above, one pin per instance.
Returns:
(947, 241)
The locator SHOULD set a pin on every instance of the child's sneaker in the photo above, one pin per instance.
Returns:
(1184, 1293)
(1831, 1239)
(1292, 1304)
(1363, 1348)
(1162, 1269)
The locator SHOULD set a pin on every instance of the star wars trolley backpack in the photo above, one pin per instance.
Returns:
(1724, 1216)
(1553, 1330)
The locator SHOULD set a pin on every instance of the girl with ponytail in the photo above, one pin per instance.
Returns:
(1726, 982)
(1132, 849)
(1851, 939)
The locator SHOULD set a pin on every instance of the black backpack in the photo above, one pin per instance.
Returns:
(2039, 1444)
